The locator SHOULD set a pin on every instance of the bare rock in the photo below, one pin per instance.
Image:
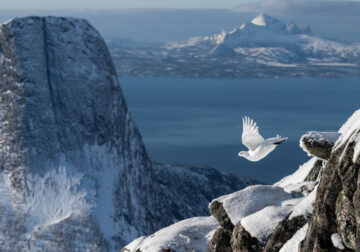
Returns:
(242, 241)
(220, 242)
(284, 231)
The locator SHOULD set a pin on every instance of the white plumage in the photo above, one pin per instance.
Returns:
(257, 145)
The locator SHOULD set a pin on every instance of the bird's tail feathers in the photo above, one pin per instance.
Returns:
(281, 140)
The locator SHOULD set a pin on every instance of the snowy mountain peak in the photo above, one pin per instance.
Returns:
(264, 19)
(265, 22)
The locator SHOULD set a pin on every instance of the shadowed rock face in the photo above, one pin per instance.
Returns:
(221, 239)
(283, 232)
(61, 106)
(242, 241)
(337, 203)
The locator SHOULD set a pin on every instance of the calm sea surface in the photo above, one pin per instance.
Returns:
(198, 121)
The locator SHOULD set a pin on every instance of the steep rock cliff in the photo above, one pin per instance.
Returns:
(70, 154)
(74, 173)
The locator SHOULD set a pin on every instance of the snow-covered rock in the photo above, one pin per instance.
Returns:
(251, 199)
(188, 235)
(319, 144)
(297, 213)
(264, 217)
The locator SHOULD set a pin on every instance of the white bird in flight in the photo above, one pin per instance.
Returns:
(257, 145)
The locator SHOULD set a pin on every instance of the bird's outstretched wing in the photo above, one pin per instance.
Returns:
(250, 136)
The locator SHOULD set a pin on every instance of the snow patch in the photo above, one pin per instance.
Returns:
(301, 187)
(53, 198)
(306, 205)
(259, 20)
(292, 244)
(188, 235)
(317, 136)
(299, 175)
(262, 223)
(348, 129)
(252, 199)
(356, 148)
(337, 241)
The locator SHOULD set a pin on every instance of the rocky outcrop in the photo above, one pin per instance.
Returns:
(338, 196)
(242, 241)
(222, 237)
(266, 217)
(315, 171)
(319, 144)
(188, 235)
(314, 209)
(220, 241)
(284, 231)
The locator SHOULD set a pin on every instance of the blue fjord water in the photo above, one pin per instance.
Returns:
(198, 121)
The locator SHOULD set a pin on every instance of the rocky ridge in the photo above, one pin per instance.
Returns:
(314, 209)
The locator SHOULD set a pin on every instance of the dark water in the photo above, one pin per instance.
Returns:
(198, 121)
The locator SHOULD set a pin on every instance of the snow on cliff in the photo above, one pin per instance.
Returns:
(69, 149)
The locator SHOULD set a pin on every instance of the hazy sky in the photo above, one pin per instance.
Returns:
(118, 4)
(170, 20)
(130, 4)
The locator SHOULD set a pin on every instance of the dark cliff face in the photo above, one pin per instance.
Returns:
(62, 106)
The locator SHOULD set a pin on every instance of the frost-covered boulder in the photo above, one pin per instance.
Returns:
(231, 209)
(264, 217)
(188, 235)
(319, 144)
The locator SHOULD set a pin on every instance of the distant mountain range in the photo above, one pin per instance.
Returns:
(262, 47)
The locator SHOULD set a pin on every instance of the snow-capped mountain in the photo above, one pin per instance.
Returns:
(262, 47)
(263, 30)
(75, 174)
